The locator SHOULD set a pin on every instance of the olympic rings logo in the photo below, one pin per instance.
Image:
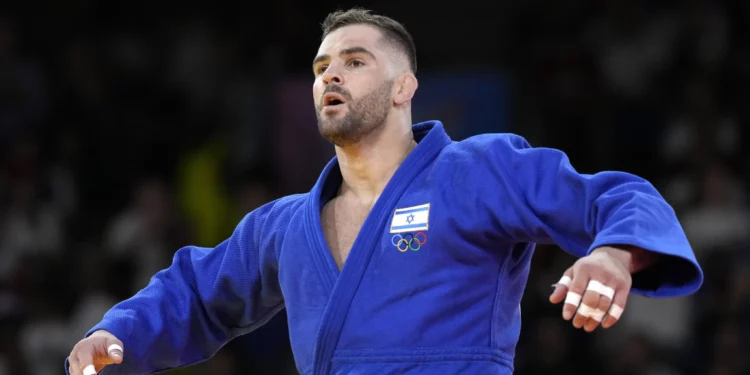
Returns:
(409, 241)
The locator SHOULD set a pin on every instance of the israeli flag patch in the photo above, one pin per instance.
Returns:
(411, 219)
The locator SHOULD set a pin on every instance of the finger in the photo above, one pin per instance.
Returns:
(107, 352)
(561, 288)
(73, 363)
(86, 361)
(597, 313)
(587, 317)
(617, 307)
(597, 316)
(587, 310)
(606, 293)
(574, 294)
(115, 350)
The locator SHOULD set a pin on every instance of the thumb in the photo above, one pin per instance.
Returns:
(115, 350)
(561, 287)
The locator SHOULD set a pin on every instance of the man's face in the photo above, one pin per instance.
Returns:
(352, 89)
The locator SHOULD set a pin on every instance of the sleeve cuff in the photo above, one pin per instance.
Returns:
(675, 274)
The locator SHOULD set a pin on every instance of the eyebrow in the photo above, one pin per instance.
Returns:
(348, 51)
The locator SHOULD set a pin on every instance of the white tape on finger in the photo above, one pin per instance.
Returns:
(89, 370)
(573, 298)
(590, 312)
(114, 347)
(598, 315)
(615, 311)
(565, 280)
(598, 287)
(585, 310)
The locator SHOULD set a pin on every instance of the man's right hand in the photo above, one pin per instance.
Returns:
(91, 354)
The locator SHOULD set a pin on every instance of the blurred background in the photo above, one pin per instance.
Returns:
(130, 129)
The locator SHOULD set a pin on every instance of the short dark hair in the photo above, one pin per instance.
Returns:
(392, 30)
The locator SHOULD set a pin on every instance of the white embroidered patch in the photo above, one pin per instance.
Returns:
(411, 219)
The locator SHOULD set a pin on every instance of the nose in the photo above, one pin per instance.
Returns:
(331, 75)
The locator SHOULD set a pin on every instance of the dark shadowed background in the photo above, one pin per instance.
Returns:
(130, 129)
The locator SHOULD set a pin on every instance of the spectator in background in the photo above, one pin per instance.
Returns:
(147, 232)
(22, 95)
(721, 218)
(31, 227)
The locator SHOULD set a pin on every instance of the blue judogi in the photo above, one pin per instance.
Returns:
(434, 280)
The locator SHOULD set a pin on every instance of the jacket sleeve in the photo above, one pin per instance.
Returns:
(548, 202)
(207, 297)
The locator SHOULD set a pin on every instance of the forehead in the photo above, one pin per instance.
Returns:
(350, 36)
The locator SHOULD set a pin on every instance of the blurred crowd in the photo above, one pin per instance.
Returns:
(126, 134)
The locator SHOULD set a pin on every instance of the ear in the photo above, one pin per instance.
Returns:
(406, 86)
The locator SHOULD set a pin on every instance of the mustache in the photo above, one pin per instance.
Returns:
(335, 89)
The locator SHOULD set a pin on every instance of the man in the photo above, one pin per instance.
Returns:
(411, 252)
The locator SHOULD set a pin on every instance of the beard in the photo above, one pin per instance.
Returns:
(363, 116)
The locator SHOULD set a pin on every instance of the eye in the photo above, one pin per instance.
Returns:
(356, 63)
(321, 69)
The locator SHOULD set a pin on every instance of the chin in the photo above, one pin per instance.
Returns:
(329, 129)
(337, 134)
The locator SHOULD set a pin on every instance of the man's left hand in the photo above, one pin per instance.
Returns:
(595, 289)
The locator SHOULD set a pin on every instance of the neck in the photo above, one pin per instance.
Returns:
(366, 167)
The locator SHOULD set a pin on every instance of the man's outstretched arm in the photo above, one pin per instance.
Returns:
(188, 311)
(626, 235)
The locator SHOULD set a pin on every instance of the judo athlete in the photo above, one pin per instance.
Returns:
(411, 252)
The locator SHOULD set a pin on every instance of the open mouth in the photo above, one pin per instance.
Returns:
(332, 99)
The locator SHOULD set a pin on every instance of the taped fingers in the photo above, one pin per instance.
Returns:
(114, 349)
(605, 294)
(600, 313)
(599, 305)
(591, 313)
(598, 287)
(572, 301)
(615, 310)
(561, 287)
(574, 296)
(565, 281)
(613, 315)
(587, 311)
(115, 353)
